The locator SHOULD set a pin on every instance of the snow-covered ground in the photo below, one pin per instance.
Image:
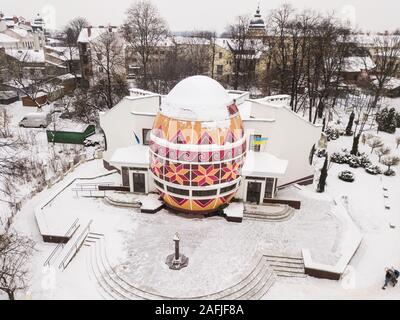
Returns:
(220, 252)
(36, 150)
(381, 242)
(137, 244)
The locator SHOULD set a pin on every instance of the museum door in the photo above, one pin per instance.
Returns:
(139, 182)
(253, 191)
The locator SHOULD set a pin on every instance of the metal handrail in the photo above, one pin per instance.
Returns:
(95, 184)
(61, 244)
(75, 246)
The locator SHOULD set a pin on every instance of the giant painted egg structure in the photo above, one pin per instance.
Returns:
(197, 146)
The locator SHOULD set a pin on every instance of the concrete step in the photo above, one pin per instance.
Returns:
(113, 280)
(254, 285)
(232, 292)
(257, 281)
(264, 290)
(286, 266)
(260, 284)
(290, 274)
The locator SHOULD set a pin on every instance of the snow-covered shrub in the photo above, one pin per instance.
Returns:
(389, 173)
(332, 133)
(338, 157)
(346, 176)
(353, 163)
(374, 170)
(364, 160)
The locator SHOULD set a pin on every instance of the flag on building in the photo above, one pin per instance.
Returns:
(137, 138)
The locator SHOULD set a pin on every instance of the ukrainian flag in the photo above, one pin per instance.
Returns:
(259, 141)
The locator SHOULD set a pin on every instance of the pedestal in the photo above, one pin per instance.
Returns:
(177, 264)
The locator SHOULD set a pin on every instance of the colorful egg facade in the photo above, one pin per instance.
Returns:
(197, 147)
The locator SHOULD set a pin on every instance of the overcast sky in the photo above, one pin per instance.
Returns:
(375, 15)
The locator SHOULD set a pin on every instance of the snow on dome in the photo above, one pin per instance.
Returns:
(197, 98)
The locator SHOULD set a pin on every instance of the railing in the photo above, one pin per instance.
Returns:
(61, 244)
(93, 187)
(75, 247)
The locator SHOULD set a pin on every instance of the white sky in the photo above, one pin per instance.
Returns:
(375, 15)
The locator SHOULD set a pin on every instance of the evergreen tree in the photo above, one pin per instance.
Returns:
(387, 120)
(323, 176)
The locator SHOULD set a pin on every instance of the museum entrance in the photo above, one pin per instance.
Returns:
(253, 192)
(139, 182)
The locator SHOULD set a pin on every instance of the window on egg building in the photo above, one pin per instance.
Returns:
(253, 146)
(146, 136)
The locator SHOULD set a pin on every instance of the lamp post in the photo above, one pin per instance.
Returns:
(177, 261)
(176, 240)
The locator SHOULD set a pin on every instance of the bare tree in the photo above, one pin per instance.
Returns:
(15, 251)
(73, 29)
(23, 74)
(382, 151)
(387, 51)
(375, 143)
(144, 29)
(362, 106)
(10, 164)
(390, 161)
(397, 142)
(5, 119)
(108, 62)
(70, 35)
(243, 51)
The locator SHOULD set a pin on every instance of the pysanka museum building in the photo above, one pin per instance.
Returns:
(201, 146)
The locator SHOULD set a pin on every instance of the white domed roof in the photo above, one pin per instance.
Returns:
(197, 98)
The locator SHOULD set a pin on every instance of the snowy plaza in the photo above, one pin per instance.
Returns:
(145, 161)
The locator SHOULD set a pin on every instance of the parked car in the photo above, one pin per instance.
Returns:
(93, 140)
(35, 120)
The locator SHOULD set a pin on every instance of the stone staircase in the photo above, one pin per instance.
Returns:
(285, 266)
(113, 287)
(269, 213)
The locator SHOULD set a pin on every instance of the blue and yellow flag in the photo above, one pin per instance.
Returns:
(259, 141)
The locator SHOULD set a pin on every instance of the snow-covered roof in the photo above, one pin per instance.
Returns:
(137, 155)
(371, 40)
(392, 83)
(21, 32)
(63, 53)
(357, 64)
(27, 55)
(262, 164)
(8, 94)
(68, 126)
(89, 34)
(66, 76)
(197, 98)
(4, 38)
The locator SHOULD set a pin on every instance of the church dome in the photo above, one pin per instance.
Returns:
(257, 22)
(197, 98)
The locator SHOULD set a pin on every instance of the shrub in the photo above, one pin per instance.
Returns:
(387, 120)
(389, 173)
(332, 134)
(346, 176)
(374, 170)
